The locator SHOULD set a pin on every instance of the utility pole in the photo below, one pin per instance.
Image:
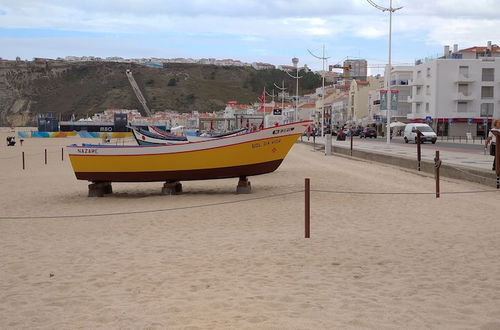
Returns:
(295, 62)
(389, 94)
(323, 58)
(282, 89)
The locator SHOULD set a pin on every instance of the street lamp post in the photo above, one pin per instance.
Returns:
(282, 89)
(295, 62)
(323, 58)
(389, 95)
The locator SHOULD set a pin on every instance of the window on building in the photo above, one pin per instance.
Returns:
(428, 90)
(419, 74)
(419, 90)
(488, 74)
(428, 72)
(462, 107)
(463, 70)
(463, 88)
(487, 109)
(427, 107)
(418, 108)
(486, 92)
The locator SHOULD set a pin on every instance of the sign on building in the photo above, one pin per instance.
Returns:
(394, 99)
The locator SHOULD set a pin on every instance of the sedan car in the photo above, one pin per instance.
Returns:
(368, 132)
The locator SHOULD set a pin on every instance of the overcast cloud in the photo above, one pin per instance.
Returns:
(273, 29)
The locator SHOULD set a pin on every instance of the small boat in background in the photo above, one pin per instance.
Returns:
(144, 137)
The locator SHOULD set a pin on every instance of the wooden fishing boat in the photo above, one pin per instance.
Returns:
(234, 156)
(144, 137)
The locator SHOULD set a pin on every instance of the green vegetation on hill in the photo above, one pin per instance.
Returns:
(86, 88)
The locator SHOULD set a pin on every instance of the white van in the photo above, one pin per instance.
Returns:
(411, 133)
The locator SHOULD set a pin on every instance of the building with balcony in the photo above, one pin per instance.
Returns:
(458, 94)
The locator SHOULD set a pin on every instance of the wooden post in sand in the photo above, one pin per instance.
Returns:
(45, 156)
(351, 139)
(437, 165)
(62, 154)
(307, 208)
(23, 161)
(419, 152)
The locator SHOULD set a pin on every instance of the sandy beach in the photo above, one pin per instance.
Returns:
(212, 259)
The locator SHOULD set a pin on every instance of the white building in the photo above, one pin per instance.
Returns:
(400, 81)
(458, 95)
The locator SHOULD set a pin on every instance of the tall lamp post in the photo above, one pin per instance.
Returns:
(391, 10)
(282, 89)
(295, 62)
(323, 58)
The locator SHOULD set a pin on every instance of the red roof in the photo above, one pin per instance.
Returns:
(477, 49)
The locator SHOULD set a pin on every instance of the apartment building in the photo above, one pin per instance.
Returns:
(357, 105)
(399, 79)
(458, 93)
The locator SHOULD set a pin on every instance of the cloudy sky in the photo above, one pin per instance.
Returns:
(270, 31)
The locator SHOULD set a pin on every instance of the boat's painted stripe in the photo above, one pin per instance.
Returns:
(182, 175)
(174, 152)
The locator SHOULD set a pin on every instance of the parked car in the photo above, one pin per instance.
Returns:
(428, 134)
(357, 131)
(368, 132)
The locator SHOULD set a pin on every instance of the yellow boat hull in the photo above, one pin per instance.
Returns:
(245, 155)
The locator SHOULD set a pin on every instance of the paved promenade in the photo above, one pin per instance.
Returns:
(463, 157)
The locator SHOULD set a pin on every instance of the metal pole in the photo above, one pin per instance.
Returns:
(323, 97)
(419, 153)
(297, 95)
(437, 165)
(307, 218)
(351, 140)
(389, 94)
(283, 96)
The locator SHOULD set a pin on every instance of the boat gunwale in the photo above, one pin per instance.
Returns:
(168, 145)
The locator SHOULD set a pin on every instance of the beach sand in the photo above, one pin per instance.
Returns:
(211, 259)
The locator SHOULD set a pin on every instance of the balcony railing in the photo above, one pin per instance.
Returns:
(414, 99)
(463, 97)
(464, 78)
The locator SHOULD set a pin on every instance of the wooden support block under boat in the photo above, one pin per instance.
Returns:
(244, 186)
(99, 189)
(172, 188)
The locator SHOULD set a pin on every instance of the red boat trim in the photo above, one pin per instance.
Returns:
(166, 146)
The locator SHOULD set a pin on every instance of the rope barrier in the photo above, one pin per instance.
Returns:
(16, 217)
(403, 193)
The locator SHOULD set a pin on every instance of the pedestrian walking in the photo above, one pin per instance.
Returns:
(493, 139)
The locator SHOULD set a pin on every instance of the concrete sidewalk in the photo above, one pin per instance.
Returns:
(465, 164)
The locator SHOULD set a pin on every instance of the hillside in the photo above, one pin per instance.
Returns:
(31, 88)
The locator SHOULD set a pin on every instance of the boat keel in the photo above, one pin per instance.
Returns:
(243, 186)
(171, 188)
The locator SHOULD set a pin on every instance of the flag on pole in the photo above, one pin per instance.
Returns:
(263, 100)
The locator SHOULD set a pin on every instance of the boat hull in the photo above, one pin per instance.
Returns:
(244, 155)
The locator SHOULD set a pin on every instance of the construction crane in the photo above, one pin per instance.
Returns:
(138, 92)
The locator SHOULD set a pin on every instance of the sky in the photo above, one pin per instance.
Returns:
(271, 31)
